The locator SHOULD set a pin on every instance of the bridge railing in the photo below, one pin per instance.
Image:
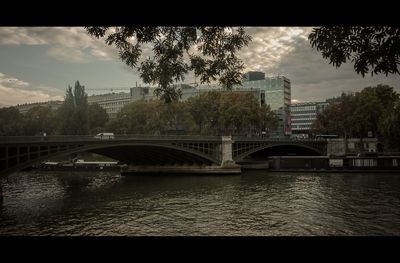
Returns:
(245, 138)
(85, 138)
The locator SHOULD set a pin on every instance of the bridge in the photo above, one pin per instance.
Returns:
(17, 153)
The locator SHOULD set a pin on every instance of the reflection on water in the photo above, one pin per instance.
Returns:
(254, 203)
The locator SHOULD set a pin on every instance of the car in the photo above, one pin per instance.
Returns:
(105, 136)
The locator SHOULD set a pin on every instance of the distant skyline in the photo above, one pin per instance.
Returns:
(38, 64)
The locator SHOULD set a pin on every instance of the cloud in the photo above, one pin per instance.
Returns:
(270, 45)
(68, 54)
(14, 91)
(70, 44)
(12, 82)
(287, 51)
(284, 50)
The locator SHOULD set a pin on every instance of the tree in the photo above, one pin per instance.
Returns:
(208, 51)
(153, 117)
(176, 119)
(40, 119)
(97, 117)
(239, 113)
(268, 120)
(73, 113)
(205, 111)
(354, 115)
(11, 122)
(372, 103)
(375, 48)
(337, 118)
(390, 128)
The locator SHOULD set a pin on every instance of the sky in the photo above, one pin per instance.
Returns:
(38, 63)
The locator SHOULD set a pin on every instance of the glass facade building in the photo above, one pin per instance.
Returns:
(275, 92)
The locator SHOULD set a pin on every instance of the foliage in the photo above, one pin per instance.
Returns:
(239, 113)
(97, 117)
(268, 120)
(205, 111)
(152, 117)
(390, 128)
(211, 113)
(208, 51)
(375, 48)
(354, 115)
(73, 113)
(11, 122)
(40, 119)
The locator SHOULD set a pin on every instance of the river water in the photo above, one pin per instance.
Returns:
(257, 203)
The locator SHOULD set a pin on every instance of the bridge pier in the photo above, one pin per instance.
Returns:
(226, 152)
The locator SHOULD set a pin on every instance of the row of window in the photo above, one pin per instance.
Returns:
(303, 118)
(307, 122)
(301, 126)
(303, 114)
(303, 108)
(105, 98)
(110, 104)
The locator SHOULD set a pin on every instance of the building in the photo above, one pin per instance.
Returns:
(303, 115)
(254, 75)
(273, 91)
(112, 102)
(24, 108)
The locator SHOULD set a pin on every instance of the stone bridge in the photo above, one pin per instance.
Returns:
(17, 153)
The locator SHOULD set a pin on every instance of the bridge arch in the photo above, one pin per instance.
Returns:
(258, 149)
(158, 152)
(175, 153)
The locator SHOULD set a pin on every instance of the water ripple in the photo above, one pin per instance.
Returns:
(255, 203)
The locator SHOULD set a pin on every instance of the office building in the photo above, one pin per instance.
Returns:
(303, 115)
(112, 102)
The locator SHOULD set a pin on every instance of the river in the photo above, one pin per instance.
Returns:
(257, 203)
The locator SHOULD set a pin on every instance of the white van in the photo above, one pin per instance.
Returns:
(105, 136)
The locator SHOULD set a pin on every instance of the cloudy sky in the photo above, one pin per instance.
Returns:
(38, 64)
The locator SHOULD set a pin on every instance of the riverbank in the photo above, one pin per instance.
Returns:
(80, 166)
(213, 169)
(347, 164)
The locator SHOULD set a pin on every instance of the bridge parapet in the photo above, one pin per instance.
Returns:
(90, 138)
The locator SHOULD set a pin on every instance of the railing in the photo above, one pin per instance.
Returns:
(127, 137)
(256, 138)
(85, 138)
